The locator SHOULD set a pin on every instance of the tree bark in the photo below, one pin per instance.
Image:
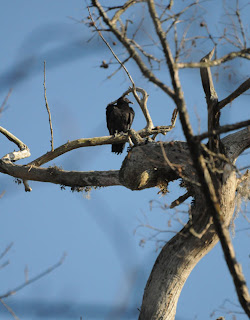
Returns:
(181, 254)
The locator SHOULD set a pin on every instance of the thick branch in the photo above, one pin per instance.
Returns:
(241, 89)
(213, 116)
(166, 49)
(66, 178)
(236, 143)
(207, 80)
(96, 141)
(182, 253)
(213, 205)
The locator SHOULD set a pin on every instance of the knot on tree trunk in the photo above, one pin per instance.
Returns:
(155, 165)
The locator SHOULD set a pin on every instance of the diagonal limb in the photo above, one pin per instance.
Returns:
(241, 89)
(16, 155)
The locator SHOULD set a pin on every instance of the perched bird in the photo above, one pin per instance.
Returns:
(119, 118)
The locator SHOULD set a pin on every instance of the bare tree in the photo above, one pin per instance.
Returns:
(208, 171)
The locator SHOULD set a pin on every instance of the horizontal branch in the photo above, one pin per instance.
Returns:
(91, 142)
(241, 89)
(223, 129)
(62, 177)
(227, 57)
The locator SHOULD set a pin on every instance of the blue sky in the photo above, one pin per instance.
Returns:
(105, 265)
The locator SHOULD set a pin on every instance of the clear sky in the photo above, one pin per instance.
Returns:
(107, 263)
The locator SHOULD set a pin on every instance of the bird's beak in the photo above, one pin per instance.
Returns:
(130, 102)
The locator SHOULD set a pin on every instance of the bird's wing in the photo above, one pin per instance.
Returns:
(115, 119)
(110, 118)
(130, 117)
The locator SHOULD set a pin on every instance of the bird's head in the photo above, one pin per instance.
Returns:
(124, 99)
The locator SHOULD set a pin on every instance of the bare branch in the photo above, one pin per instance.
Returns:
(147, 55)
(207, 80)
(223, 129)
(241, 89)
(5, 100)
(180, 200)
(122, 9)
(245, 53)
(107, 44)
(39, 276)
(143, 104)
(9, 309)
(13, 138)
(91, 142)
(47, 107)
(166, 49)
(58, 176)
(132, 52)
(16, 155)
(241, 24)
(213, 116)
(6, 250)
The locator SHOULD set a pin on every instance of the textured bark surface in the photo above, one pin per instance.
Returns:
(146, 166)
(181, 254)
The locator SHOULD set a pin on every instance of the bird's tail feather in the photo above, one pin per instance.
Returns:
(118, 148)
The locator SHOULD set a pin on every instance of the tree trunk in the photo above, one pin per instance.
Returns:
(152, 165)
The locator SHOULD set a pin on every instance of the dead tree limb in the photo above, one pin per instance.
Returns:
(244, 53)
(213, 115)
(73, 179)
(48, 109)
(15, 155)
(240, 90)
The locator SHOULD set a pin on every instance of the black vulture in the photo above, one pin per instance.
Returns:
(119, 118)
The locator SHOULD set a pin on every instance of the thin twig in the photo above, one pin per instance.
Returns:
(39, 276)
(142, 103)
(107, 44)
(6, 250)
(5, 101)
(47, 107)
(132, 51)
(241, 24)
(2, 194)
(9, 309)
